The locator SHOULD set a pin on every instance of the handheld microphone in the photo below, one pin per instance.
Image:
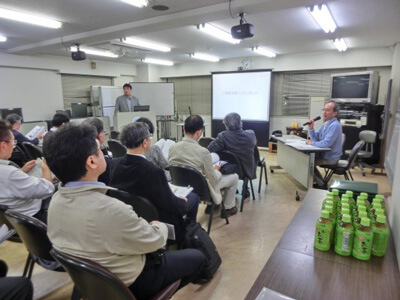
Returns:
(315, 119)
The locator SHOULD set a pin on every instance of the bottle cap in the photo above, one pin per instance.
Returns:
(376, 205)
(365, 222)
(329, 202)
(381, 219)
(381, 197)
(349, 193)
(362, 208)
(346, 218)
(375, 200)
(345, 197)
(379, 211)
(325, 214)
(362, 214)
(329, 197)
(346, 205)
(364, 194)
(345, 210)
(360, 201)
(335, 192)
(329, 208)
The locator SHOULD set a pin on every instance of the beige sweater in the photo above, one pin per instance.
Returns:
(85, 222)
(188, 152)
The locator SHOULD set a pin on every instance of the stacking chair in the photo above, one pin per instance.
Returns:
(116, 148)
(33, 234)
(205, 141)
(343, 166)
(143, 207)
(94, 282)
(233, 159)
(369, 137)
(187, 176)
(31, 151)
(260, 162)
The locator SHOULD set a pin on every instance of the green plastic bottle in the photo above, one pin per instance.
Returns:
(357, 221)
(327, 202)
(352, 202)
(358, 209)
(323, 232)
(365, 196)
(380, 199)
(345, 199)
(378, 211)
(363, 240)
(373, 208)
(336, 197)
(381, 234)
(344, 236)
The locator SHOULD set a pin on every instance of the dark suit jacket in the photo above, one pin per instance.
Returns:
(21, 138)
(138, 176)
(240, 142)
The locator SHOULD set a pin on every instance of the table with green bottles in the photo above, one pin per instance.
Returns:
(298, 270)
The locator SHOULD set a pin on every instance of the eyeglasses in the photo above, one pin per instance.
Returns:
(327, 110)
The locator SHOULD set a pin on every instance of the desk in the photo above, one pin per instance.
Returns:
(296, 269)
(297, 158)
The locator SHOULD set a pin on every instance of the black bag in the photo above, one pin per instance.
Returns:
(197, 238)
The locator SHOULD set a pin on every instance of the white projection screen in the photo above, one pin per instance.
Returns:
(246, 93)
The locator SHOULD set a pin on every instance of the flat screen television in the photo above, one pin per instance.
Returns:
(79, 110)
(141, 108)
(4, 112)
(355, 87)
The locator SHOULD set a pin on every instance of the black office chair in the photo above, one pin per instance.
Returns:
(94, 282)
(343, 166)
(143, 207)
(114, 135)
(18, 156)
(33, 233)
(233, 159)
(116, 148)
(187, 176)
(205, 141)
(32, 151)
(260, 162)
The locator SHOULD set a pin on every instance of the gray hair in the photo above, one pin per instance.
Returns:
(335, 106)
(13, 118)
(233, 121)
(133, 135)
(96, 122)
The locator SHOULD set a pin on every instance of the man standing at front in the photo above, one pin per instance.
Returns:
(126, 102)
(328, 136)
(188, 152)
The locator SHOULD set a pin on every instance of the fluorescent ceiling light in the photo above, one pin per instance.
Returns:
(3, 38)
(27, 18)
(323, 17)
(158, 61)
(218, 33)
(204, 57)
(340, 44)
(93, 51)
(146, 45)
(137, 3)
(263, 51)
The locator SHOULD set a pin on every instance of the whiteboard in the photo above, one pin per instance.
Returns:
(391, 157)
(108, 95)
(159, 95)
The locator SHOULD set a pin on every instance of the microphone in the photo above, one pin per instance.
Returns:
(315, 119)
(190, 111)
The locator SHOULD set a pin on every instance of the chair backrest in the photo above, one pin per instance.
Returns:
(205, 141)
(257, 155)
(353, 154)
(116, 148)
(233, 159)
(32, 151)
(33, 234)
(185, 176)
(143, 207)
(367, 136)
(3, 219)
(91, 279)
(114, 134)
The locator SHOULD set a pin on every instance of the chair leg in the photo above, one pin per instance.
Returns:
(252, 189)
(351, 176)
(27, 264)
(211, 217)
(264, 166)
(76, 295)
(259, 182)
(31, 268)
(244, 188)
(360, 165)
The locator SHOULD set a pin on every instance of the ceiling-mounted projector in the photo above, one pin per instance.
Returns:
(242, 31)
(78, 55)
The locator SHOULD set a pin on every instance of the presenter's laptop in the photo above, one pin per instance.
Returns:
(141, 108)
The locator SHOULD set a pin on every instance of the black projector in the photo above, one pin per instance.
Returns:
(242, 31)
(78, 55)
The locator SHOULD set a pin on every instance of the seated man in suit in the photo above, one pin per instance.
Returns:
(19, 191)
(238, 141)
(85, 222)
(134, 174)
(188, 152)
(15, 121)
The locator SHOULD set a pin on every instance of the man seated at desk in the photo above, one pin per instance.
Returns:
(328, 136)
(126, 102)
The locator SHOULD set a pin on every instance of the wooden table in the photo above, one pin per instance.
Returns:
(296, 269)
